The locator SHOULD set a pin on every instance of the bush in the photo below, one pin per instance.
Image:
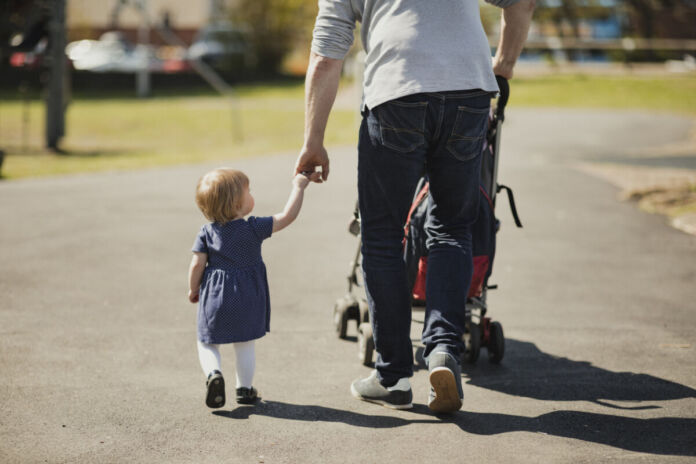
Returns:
(276, 27)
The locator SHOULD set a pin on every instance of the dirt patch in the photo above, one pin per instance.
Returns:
(665, 200)
(667, 191)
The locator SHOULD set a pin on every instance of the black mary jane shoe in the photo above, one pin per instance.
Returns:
(215, 386)
(247, 395)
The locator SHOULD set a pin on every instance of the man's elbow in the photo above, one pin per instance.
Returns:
(323, 63)
(520, 5)
(528, 5)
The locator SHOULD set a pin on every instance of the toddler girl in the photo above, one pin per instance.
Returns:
(227, 277)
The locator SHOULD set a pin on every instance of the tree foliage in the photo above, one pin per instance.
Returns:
(570, 11)
(646, 12)
(643, 14)
(276, 27)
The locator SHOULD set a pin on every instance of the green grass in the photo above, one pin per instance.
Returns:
(115, 131)
(126, 133)
(675, 94)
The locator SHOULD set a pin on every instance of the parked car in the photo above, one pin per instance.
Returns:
(224, 47)
(32, 59)
(112, 53)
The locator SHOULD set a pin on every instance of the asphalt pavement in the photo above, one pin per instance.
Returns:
(597, 300)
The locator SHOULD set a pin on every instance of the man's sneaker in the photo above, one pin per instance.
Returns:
(247, 395)
(398, 396)
(446, 393)
(215, 386)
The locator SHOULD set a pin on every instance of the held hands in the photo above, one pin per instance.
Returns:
(303, 179)
(313, 156)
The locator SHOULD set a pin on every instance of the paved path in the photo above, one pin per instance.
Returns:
(598, 302)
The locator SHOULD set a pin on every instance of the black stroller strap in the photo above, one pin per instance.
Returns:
(511, 200)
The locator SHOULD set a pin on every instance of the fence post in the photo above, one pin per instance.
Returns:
(55, 109)
(142, 76)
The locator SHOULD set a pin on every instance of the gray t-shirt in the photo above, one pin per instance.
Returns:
(412, 46)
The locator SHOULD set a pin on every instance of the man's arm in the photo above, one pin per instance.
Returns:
(331, 40)
(515, 23)
(321, 85)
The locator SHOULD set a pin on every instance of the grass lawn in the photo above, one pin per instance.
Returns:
(116, 132)
(673, 93)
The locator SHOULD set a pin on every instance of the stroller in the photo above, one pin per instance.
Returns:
(480, 331)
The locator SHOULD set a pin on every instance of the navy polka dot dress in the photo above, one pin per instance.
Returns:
(234, 304)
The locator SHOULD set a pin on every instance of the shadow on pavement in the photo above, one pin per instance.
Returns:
(663, 436)
(675, 162)
(527, 371)
(305, 412)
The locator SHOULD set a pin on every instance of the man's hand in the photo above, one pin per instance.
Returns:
(309, 159)
(193, 296)
(503, 69)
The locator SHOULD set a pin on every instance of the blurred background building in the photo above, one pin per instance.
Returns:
(89, 20)
(252, 37)
(622, 31)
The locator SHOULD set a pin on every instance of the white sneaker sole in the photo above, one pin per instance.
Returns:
(446, 394)
(386, 404)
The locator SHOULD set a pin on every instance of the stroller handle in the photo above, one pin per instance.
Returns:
(503, 97)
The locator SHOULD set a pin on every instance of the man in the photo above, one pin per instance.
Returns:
(427, 89)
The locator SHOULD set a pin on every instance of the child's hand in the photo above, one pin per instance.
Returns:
(301, 181)
(193, 296)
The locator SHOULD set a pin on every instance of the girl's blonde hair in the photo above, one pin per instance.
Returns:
(219, 194)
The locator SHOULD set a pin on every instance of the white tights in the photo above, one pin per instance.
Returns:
(209, 356)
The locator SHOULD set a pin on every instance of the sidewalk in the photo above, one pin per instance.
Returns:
(596, 298)
(660, 179)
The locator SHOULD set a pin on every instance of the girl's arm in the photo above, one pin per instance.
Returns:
(196, 274)
(292, 208)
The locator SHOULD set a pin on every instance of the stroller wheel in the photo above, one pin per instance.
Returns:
(366, 343)
(473, 348)
(496, 343)
(341, 317)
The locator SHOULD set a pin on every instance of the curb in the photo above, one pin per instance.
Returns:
(685, 223)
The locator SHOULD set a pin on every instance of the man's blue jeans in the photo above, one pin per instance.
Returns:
(441, 135)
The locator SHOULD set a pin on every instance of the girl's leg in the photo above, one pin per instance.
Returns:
(246, 363)
(209, 356)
